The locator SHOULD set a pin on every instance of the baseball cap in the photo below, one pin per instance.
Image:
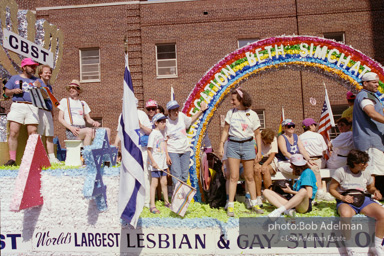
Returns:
(158, 117)
(151, 103)
(172, 105)
(308, 122)
(298, 160)
(28, 62)
(350, 95)
(370, 76)
(287, 122)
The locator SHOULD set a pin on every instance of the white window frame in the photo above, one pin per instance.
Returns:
(332, 35)
(247, 41)
(81, 66)
(261, 114)
(157, 62)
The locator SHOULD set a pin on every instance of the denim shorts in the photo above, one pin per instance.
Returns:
(367, 201)
(241, 150)
(158, 174)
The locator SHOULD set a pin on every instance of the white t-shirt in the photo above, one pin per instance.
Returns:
(157, 145)
(144, 120)
(341, 145)
(242, 123)
(350, 180)
(366, 102)
(266, 150)
(176, 131)
(313, 142)
(76, 110)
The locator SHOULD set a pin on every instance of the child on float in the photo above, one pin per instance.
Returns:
(355, 176)
(316, 148)
(304, 190)
(157, 154)
(267, 166)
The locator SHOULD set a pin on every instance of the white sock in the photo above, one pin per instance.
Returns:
(52, 156)
(286, 212)
(378, 242)
(253, 202)
(281, 209)
(231, 204)
(259, 198)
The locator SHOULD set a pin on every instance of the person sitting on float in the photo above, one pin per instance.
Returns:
(355, 178)
(267, 167)
(341, 145)
(289, 143)
(304, 190)
(74, 113)
(242, 125)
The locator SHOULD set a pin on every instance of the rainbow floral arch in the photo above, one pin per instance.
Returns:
(335, 60)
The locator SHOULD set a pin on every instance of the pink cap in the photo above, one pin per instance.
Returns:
(28, 62)
(151, 103)
(350, 96)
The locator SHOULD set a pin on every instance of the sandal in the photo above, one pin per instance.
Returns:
(168, 205)
(154, 210)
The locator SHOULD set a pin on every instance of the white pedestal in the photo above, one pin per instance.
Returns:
(73, 152)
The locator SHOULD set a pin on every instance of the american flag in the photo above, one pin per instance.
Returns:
(326, 119)
(131, 191)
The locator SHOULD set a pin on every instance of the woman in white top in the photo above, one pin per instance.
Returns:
(177, 141)
(241, 126)
(341, 145)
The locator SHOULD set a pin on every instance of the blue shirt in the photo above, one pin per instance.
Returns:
(367, 133)
(27, 84)
(307, 178)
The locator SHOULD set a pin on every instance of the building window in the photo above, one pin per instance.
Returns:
(337, 111)
(261, 114)
(166, 61)
(337, 36)
(90, 65)
(244, 42)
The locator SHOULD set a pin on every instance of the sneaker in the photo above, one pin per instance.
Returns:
(257, 209)
(54, 160)
(350, 251)
(275, 214)
(10, 163)
(376, 251)
(324, 196)
(260, 202)
(290, 213)
(226, 205)
(248, 203)
(230, 212)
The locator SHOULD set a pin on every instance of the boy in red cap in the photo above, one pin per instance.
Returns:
(22, 110)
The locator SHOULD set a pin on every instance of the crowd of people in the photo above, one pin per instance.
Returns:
(356, 154)
(38, 118)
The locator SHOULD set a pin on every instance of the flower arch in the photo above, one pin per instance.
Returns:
(335, 60)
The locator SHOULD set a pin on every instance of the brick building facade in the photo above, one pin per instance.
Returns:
(203, 31)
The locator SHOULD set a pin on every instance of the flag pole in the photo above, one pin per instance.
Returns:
(178, 179)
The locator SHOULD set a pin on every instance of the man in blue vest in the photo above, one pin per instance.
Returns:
(368, 123)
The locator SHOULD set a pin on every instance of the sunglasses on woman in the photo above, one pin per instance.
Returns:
(291, 126)
(151, 109)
